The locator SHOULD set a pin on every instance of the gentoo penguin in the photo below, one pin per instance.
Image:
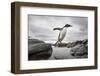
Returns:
(62, 33)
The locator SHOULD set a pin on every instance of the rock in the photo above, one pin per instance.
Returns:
(38, 50)
(79, 51)
(85, 42)
(73, 44)
(34, 41)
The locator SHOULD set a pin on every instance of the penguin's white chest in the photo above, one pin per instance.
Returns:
(62, 33)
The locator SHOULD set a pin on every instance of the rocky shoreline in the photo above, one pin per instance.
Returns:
(39, 50)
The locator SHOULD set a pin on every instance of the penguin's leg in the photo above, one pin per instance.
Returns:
(60, 42)
(56, 43)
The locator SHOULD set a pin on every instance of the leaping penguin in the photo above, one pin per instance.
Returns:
(62, 33)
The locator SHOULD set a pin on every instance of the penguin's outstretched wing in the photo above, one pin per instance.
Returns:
(57, 29)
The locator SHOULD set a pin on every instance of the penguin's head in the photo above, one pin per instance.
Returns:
(68, 25)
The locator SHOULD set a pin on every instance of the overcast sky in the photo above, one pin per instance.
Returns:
(41, 27)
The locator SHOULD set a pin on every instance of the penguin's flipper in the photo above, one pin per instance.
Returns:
(57, 29)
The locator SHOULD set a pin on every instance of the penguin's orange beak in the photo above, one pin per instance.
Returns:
(70, 25)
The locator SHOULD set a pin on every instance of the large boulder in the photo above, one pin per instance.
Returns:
(38, 50)
(34, 41)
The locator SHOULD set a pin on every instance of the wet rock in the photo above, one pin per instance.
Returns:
(73, 44)
(80, 51)
(38, 50)
(34, 41)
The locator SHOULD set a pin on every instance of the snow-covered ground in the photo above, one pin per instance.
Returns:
(61, 53)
